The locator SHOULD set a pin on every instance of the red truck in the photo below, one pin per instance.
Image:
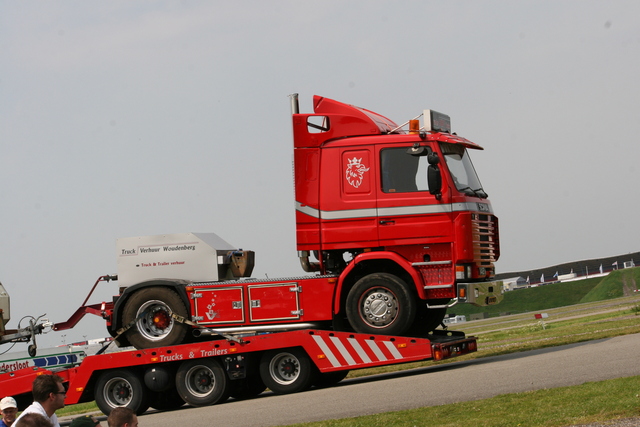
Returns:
(393, 224)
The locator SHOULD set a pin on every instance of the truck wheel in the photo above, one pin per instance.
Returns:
(152, 308)
(380, 303)
(121, 388)
(247, 388)
(427, 319)
(202, 382)
(287, 371)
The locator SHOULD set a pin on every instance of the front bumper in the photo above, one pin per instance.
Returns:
(481, 294)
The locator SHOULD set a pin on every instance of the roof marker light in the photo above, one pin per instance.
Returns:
(414, 126)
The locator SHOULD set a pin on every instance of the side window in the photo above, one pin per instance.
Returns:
(402, 172)
(317, 124)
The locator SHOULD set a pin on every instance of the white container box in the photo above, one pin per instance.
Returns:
(197, 257)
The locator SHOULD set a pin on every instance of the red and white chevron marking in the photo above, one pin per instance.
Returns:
(353, 352)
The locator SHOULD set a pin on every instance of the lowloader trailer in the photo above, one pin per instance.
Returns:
(207, 373)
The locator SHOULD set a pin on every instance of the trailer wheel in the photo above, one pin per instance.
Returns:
(329, 379)
(380, 303)
(287, 371)
(247, 388)
(151, 308)
(166, 400)
(121, 388)
(202, 382)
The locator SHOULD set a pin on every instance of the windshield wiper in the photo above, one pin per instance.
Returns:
(479, 192)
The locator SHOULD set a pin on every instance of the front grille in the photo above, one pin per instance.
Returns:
(485, 238)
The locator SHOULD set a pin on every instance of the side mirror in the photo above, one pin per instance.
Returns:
(434, 177)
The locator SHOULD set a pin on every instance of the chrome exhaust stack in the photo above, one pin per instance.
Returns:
(295, 107)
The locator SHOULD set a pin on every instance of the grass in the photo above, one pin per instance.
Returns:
(615, 285)
(80, 408)
(586, 403)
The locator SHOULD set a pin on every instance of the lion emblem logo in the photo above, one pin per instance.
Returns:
(355, 172)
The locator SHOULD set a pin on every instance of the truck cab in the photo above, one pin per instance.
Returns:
(372, 197)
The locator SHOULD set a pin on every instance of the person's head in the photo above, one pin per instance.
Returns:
(85, 421)
(122, 417)
(33, 419)
(9, 410)
(49, 391)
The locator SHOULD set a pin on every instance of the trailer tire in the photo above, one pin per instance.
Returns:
(380, 303)
(151, 308)
(287, 371)
(247, 388)
(121, 387)
(328, 379)
(166, 400)
(202, 382)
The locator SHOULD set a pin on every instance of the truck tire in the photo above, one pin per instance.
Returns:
(287, 371)
(380, 303)
(121, 387)
(151, 308)
(427, 319)
(202, 382)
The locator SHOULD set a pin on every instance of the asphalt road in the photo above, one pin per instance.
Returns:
(455, 382)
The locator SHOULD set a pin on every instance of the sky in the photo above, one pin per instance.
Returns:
(134, 118)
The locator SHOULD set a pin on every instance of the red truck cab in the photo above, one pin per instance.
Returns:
(373, 198)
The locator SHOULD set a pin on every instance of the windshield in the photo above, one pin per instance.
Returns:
(462, 171)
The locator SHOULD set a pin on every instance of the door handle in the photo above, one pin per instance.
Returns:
(387, 222)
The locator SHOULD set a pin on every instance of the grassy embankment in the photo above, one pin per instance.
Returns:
(617, 284)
